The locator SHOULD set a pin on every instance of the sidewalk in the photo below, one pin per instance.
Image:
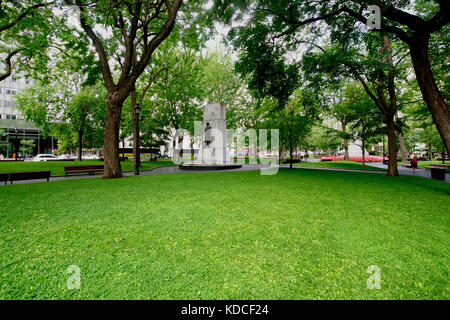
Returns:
(155, 170)
(407, 171)
(403, 171)
(245, 167)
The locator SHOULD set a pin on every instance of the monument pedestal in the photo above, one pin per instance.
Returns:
(213, 154)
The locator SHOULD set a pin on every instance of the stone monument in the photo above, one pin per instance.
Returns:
(213, 152)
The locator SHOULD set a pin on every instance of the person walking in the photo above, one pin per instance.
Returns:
(413, 163)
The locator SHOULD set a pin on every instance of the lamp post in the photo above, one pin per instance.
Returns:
(138, 110)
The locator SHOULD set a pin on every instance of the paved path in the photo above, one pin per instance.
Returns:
(407, 171)
(245, 167)
(401, 170)
(155, 170)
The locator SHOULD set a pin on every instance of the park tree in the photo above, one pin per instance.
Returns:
(321, 138)
(294, 121)
(26, 146)
(293, 23)
(84, 112)
(135, 30)
(69, 93)
(379, 72)
(367, 125)
(4, 144)
(340, 110)
(50, 105)
(28, 29)
(179, 95)
(422, 130)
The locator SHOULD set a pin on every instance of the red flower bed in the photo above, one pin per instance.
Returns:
(358, 159)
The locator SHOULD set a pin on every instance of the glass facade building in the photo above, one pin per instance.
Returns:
(13, 127)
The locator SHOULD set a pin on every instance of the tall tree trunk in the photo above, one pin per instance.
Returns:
(363, 147)
(344, 127)
(290, 153)
(401, 141)
(111, 137)
(80, 144)
(136, 153)
(403, 151)
(430, 91)
(392, 147)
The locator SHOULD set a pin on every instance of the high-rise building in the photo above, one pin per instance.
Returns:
(13, 127)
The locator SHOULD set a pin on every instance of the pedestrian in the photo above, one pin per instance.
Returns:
(413, 163)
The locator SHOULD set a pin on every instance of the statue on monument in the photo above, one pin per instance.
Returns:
(208, 138)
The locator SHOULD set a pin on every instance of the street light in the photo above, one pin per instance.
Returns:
(138, 109)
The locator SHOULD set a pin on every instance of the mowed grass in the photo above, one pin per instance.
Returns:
(57, 167)
(300, 234)
(340, 165)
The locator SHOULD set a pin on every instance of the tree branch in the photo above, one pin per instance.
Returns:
(105, 68)
(22, 15)
(8, 71)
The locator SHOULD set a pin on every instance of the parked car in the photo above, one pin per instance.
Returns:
(91, 157)
(44, 157)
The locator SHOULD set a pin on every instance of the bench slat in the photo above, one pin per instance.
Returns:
(83, 169)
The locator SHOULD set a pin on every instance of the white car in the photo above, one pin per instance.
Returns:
(91, 157)
(44, 157)
(65, 156)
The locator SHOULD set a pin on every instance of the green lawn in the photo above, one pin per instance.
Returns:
(57, 167)
(340, 165)
(300, 234)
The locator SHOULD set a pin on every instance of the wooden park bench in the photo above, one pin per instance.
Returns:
(91, 170)
(4, 177)
(438, 170)
(29, 175)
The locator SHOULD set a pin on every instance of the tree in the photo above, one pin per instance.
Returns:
(27, 31)
(137, 29)
(179, 95)
(4, 145)
(377, 73)
(294, 121)
(367, 124)
(342, 112)
(84, 111)
(26, 146)
(412, 22)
